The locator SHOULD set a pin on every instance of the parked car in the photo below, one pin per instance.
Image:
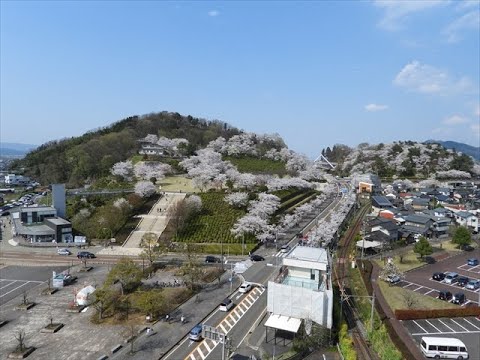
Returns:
(467, 248)
(226, 305)
(245, 287)
(212, 259)
(64, 252)
(458, 298)
(393, 279)
(255, 257)
(472, 262)
(445, 295)
(285, 249)
(438, 276)
(86, 255)
(430, 260)
(196, 333)
(462, 280)
(451, 277)
(473, 284)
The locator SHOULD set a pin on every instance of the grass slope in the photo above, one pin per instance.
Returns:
(254, 165)
(213, 224)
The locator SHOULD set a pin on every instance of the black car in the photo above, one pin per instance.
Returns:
(430, 260)
(445, 295)
(467, 248)
(211, 259)
(439, 276)
(458, 298)
(255, 257)
(462, 280)
(85, 255)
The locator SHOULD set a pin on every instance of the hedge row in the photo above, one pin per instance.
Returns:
(408, 314)
(346, 344)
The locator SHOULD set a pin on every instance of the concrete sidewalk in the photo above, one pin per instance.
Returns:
(168, 334)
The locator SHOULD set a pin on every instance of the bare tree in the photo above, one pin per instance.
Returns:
(130, 331)
(409, 299)
(20, 337)
(152, 249)
(191, 268)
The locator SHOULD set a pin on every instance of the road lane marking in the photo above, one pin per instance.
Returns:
(429, 292)
(13, 282)
(18, 287)
(419, 326)
(418, 288)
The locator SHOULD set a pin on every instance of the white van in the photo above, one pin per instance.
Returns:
(443, 348)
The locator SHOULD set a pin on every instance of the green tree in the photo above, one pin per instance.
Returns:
(127, 273)
(317, 337)
(462, 236)
(151, 303)
(192, 271)
(423, 247)
(152, 249)
(104, 298)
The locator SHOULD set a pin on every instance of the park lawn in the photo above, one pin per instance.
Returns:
(395, 297)
(177, 183)
(412, 260)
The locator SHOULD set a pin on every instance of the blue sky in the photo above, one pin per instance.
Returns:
(317, 73)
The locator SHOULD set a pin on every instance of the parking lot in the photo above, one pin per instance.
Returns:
(420, 280)
(14, 280)
(466, 329)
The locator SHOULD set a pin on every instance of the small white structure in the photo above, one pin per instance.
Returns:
(84, 296)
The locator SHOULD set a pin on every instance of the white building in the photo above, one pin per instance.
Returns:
(302, 290)
(465, 218)
(12, 179)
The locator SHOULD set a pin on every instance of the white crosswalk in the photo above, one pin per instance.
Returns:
(206, 346)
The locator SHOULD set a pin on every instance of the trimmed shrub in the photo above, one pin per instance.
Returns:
(408, 314)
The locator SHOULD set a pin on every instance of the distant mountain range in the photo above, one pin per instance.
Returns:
(460, 147)
(15, 149)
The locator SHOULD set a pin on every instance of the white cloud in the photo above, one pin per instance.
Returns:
(455, 120)
(467, 4)
(213, 13)
(428, 79)
(396, 11)
(441, 131)
(468, 21)
(375, 107)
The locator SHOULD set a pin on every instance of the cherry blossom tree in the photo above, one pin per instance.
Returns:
(237, 199)
(150, 138)
(151, 169)
(145, 189)
(265, 206)
(194, 203)
(453, 174)
(123, 169)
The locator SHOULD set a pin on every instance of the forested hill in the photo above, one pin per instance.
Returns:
(92, 155)
(403, 158)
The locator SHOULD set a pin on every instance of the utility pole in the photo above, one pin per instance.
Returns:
(373, 309)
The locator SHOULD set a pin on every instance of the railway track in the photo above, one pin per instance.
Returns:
(341, 278)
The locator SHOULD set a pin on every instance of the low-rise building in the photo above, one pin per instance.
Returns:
(302, 290)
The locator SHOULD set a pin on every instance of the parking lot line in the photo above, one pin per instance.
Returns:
(416, 323)
(446, 325)
(475, 326)
(13, 282)
(429, 292)
(459, 324)
(18, 287)
(409, 284)
(447, 333)
(418, 288)
(433, 326)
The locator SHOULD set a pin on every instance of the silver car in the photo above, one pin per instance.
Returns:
(473, 284)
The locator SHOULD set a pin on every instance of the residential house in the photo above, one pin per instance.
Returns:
(420, 204)
(381, 202)
(302, 290)
(465, 218)
(417, 225)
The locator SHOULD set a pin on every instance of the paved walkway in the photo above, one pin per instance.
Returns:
(168, 334)
(154, 222)
(396, 324)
